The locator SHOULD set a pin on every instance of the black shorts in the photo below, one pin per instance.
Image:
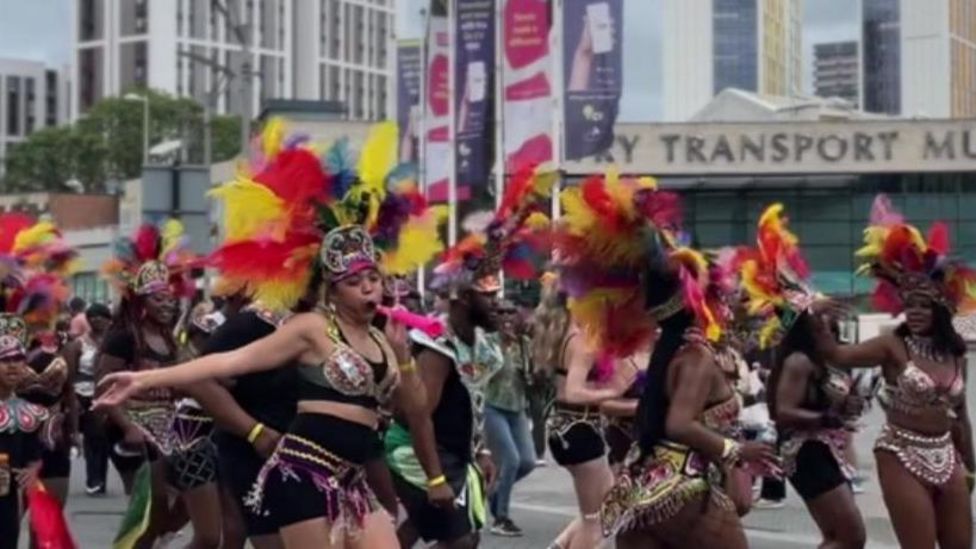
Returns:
(55, 463)
(817, 472)
(291, 502)
(435, 523)
(130, 461)
(619, 438)
(578, 444)
(238, 466)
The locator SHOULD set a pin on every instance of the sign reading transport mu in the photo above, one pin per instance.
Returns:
(783, 148)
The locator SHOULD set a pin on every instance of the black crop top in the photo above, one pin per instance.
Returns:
(348, 377)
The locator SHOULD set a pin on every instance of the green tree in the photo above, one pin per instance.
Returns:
(107, 143)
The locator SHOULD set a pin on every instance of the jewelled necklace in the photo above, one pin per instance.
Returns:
(923, 347)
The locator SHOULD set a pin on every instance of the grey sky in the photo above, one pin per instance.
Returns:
(40, 29)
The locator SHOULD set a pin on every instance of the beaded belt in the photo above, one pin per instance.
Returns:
(931, 459)
(834, 439)
(654, 490)
(348, 498)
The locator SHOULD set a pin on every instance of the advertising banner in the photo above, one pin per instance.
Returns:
(437, 110)
(592, 32)
(409, 72)
(527, 77)
(474, 78)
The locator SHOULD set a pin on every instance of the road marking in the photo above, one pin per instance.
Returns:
(753, 533)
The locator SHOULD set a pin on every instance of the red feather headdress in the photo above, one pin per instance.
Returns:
(34, 263)
(511, 240)
(774, 276)
(613, 232)
(154, 259)
(903, 262)
(271, 241)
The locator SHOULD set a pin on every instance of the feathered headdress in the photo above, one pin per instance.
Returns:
(271, 241)
(903, 262)
(511, 240)
(155, 259)
(379, 218)
(774, 276)
(613, 230)
(34, 262)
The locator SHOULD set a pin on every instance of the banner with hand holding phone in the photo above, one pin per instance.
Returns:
(409, 72)
(592, 36)
(474, 78)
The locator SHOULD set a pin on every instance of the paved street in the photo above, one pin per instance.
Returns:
(543, 504)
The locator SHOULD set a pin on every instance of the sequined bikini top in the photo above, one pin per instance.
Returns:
(915, 392)
(348, 377)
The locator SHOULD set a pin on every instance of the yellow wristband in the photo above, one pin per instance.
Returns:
(436, 481)
(408, 367)
(255, 433)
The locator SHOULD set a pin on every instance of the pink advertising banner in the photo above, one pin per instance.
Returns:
(437, 111)
(527, 76)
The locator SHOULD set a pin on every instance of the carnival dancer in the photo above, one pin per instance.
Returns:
(37, 293)
(20, 426)
(449, 507)
(617, 259)
(151, 273)
(315, 479)
(80, 356)
(809, 400)
(924, 453)
(575, 424)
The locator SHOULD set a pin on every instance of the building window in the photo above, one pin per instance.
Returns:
(13, 105)
(30, 105)
(50, 98)
(90, 19)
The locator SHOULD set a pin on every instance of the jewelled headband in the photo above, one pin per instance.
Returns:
(152, 277)
(347, 251)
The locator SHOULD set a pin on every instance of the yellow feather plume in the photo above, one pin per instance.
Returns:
(36, 235)
(248, 208)
(272, 137)
(378, 157)
(537, 221)
(418, 244)
(170, 235)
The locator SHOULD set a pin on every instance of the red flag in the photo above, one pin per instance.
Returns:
(47, 521)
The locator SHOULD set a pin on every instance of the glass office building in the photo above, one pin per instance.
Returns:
(736, 45)
(882, 56)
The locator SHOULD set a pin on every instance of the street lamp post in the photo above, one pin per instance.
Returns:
(145, 123)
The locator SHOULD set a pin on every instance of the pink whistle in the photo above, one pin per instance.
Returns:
(430, 326)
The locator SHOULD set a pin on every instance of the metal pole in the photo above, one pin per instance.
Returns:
(499, 116)
(207, 136)
(145, 130)
(452, 205)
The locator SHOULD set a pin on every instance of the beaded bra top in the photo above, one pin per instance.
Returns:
(915, 391)
(346, 376)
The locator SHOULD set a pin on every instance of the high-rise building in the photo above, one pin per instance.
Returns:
(711, 45)
(32, 96)
(836, 70)
(919, 57)
(881, 56)
(300, 49)
(938, 63)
